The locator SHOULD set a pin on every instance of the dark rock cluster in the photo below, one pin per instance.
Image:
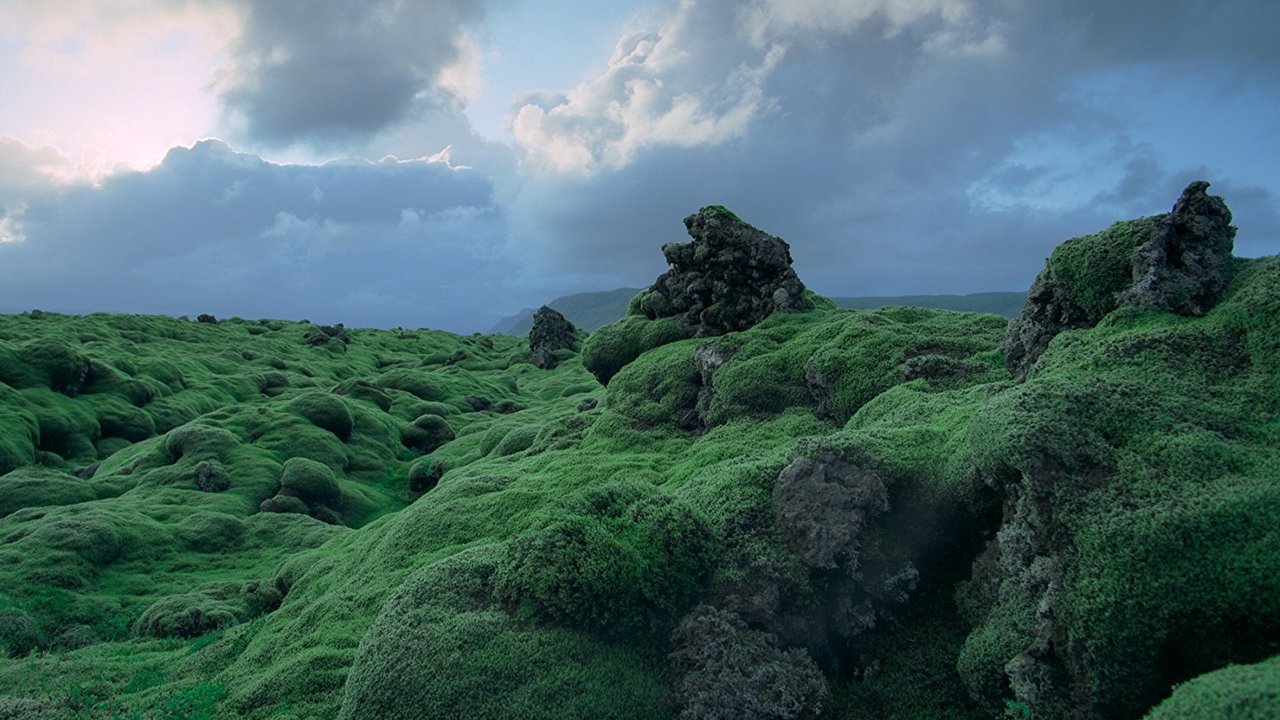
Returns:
(1179, 261)
(551, 331)
(729, 278)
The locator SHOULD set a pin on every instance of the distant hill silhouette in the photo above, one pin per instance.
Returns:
(593, 310)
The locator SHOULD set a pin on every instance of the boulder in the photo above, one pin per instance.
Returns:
(730, 277)
(1178, 262)
(1183, 267)
(551, 331)
(822, 504)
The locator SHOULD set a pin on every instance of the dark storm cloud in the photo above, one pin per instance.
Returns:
(328, 71)
(900, 147)
(210, 230)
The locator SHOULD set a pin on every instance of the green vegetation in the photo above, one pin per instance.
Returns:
(256, 519)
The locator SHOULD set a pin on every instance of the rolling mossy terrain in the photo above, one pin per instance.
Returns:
(725, 505)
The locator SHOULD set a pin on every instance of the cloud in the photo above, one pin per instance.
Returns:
(395, 242)
(899, 145)
(326, 71)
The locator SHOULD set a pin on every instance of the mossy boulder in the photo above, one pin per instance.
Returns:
(19, 633)
(312, 482)
(424, 473)
(57, 365)
(426, 433)
(361, 389)
(199, 442)
(326, 411)
(285, 504)
(440, 648)
(621, 560)
(211, 532)
(1236, 692)
(418, 383)
(612, 347)
(189, 614)
(1179, 261)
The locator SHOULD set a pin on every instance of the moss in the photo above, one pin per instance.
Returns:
(286, 504)
(362, 389)
(189, 614)
(41, 487)
(415, 382)
(19, 634)
(440, 649)
(659, 386)
(19, 432)
(610, 348)
(622, 561)
(211, 532)
(426, 433)
(722, 210)
(517, 440)
(1238, 692)
(1094, 268)
(311, 481)
(119, 419)
(424, 473)
(199, 442)
(57, 364)
(326, 411)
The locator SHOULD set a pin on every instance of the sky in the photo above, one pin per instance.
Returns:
(444, 164)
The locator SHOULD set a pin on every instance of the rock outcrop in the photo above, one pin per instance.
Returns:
(822, 506)
(551, 331)
(1178, 262)
(729, 278)
(1183, 267)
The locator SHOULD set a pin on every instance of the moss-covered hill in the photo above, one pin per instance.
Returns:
(833, 513)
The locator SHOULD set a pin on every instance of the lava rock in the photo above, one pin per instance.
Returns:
(1178, 262)
(551, 331)
(822, 504)
(1183, 268)
(729, 278)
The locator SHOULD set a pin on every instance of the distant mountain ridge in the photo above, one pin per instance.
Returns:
(591, 311)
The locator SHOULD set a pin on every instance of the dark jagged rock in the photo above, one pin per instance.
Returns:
(729, 278)
(823, 504)
(206, 319)
(551, 331)
(1183, 267)
(1048, 311)
(1178, 261)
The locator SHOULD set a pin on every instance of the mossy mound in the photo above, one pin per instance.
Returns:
(32, 487)
(325, 411)
(426, 433)
(310, 481)
(1238, 692)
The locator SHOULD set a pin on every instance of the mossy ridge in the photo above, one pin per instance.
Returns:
(1110, 442)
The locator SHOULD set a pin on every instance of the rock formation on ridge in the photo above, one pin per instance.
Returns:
(730, 277)
(1178, 261)
(551, 331)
